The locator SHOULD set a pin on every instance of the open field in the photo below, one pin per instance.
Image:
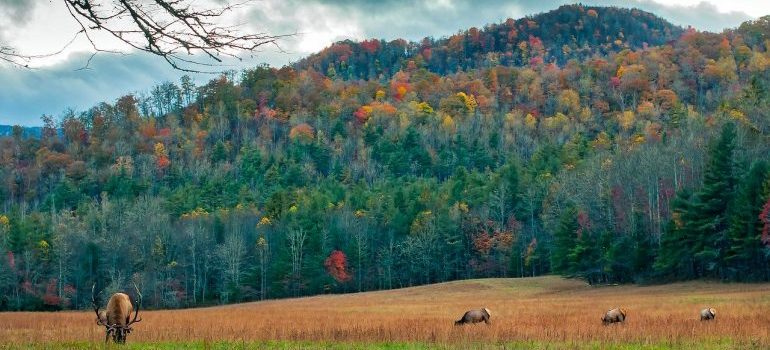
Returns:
(546, 312)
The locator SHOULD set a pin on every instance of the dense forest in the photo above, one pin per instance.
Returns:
(599, 143)
(556, 36)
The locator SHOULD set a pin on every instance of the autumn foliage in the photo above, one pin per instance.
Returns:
(302, 131)
(161, 155)
(337, 266)
(764, 217)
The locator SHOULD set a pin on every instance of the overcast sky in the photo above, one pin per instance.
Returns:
(42, 26)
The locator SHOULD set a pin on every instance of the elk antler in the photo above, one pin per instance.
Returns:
(138, 303)
(96, 306)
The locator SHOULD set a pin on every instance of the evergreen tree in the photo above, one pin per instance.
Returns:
(745, 257)
(696, 242)
(711, 206)
(622, 259)
(509, 176)
(675, 257)
(564, 240)
(219, 153)
(643, 250)
(588, 255)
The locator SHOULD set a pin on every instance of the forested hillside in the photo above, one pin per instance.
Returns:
(569, 32)
(631, 156)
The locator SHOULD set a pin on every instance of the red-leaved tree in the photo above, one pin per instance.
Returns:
(337, 266)
(764, 216)
(51, 297)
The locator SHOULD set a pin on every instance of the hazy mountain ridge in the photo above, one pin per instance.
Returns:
(27, 131)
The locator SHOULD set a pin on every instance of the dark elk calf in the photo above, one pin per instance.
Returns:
(707, 314)
(475, 316)
(615, 315)
(117, 317)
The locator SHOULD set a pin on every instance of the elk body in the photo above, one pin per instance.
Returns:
(475, 316)
(615, 315)
(117, 317)
(708, 313)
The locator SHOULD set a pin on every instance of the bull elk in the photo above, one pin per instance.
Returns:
(615, 315)
(117, 317)
(475, 316)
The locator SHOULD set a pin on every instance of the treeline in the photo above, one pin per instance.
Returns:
(640, 165)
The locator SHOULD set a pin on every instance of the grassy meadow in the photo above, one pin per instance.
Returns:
(540, 313)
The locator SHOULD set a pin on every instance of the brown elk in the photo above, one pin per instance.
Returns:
(615, 315)
(117, 317)
(475, 316)
(708, 313)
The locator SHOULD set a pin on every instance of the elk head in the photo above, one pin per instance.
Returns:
(117, 317)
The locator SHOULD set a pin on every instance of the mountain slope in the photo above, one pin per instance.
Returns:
(569, 32)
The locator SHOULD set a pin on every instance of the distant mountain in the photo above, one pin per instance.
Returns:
(569, 32)
(35, 131)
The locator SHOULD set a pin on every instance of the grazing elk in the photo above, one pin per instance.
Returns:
(615, 315)
(117, 317)
(475, 316)
(708, 313)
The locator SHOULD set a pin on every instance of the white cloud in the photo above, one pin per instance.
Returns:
(25, 95)
(755, 8)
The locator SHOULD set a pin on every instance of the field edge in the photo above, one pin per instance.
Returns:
(303, 345)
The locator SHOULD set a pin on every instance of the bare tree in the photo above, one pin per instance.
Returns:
(296, 238)
(263, 250)
(231, 254)
(172, 29)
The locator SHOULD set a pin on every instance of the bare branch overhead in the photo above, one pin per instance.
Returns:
(175, 30)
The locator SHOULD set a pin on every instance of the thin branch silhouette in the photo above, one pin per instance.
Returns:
(175, 30)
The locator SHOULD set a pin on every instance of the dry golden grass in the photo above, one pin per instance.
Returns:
(533, 309)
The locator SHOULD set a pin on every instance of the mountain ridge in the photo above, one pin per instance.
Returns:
(27, 131)
(568, 32)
